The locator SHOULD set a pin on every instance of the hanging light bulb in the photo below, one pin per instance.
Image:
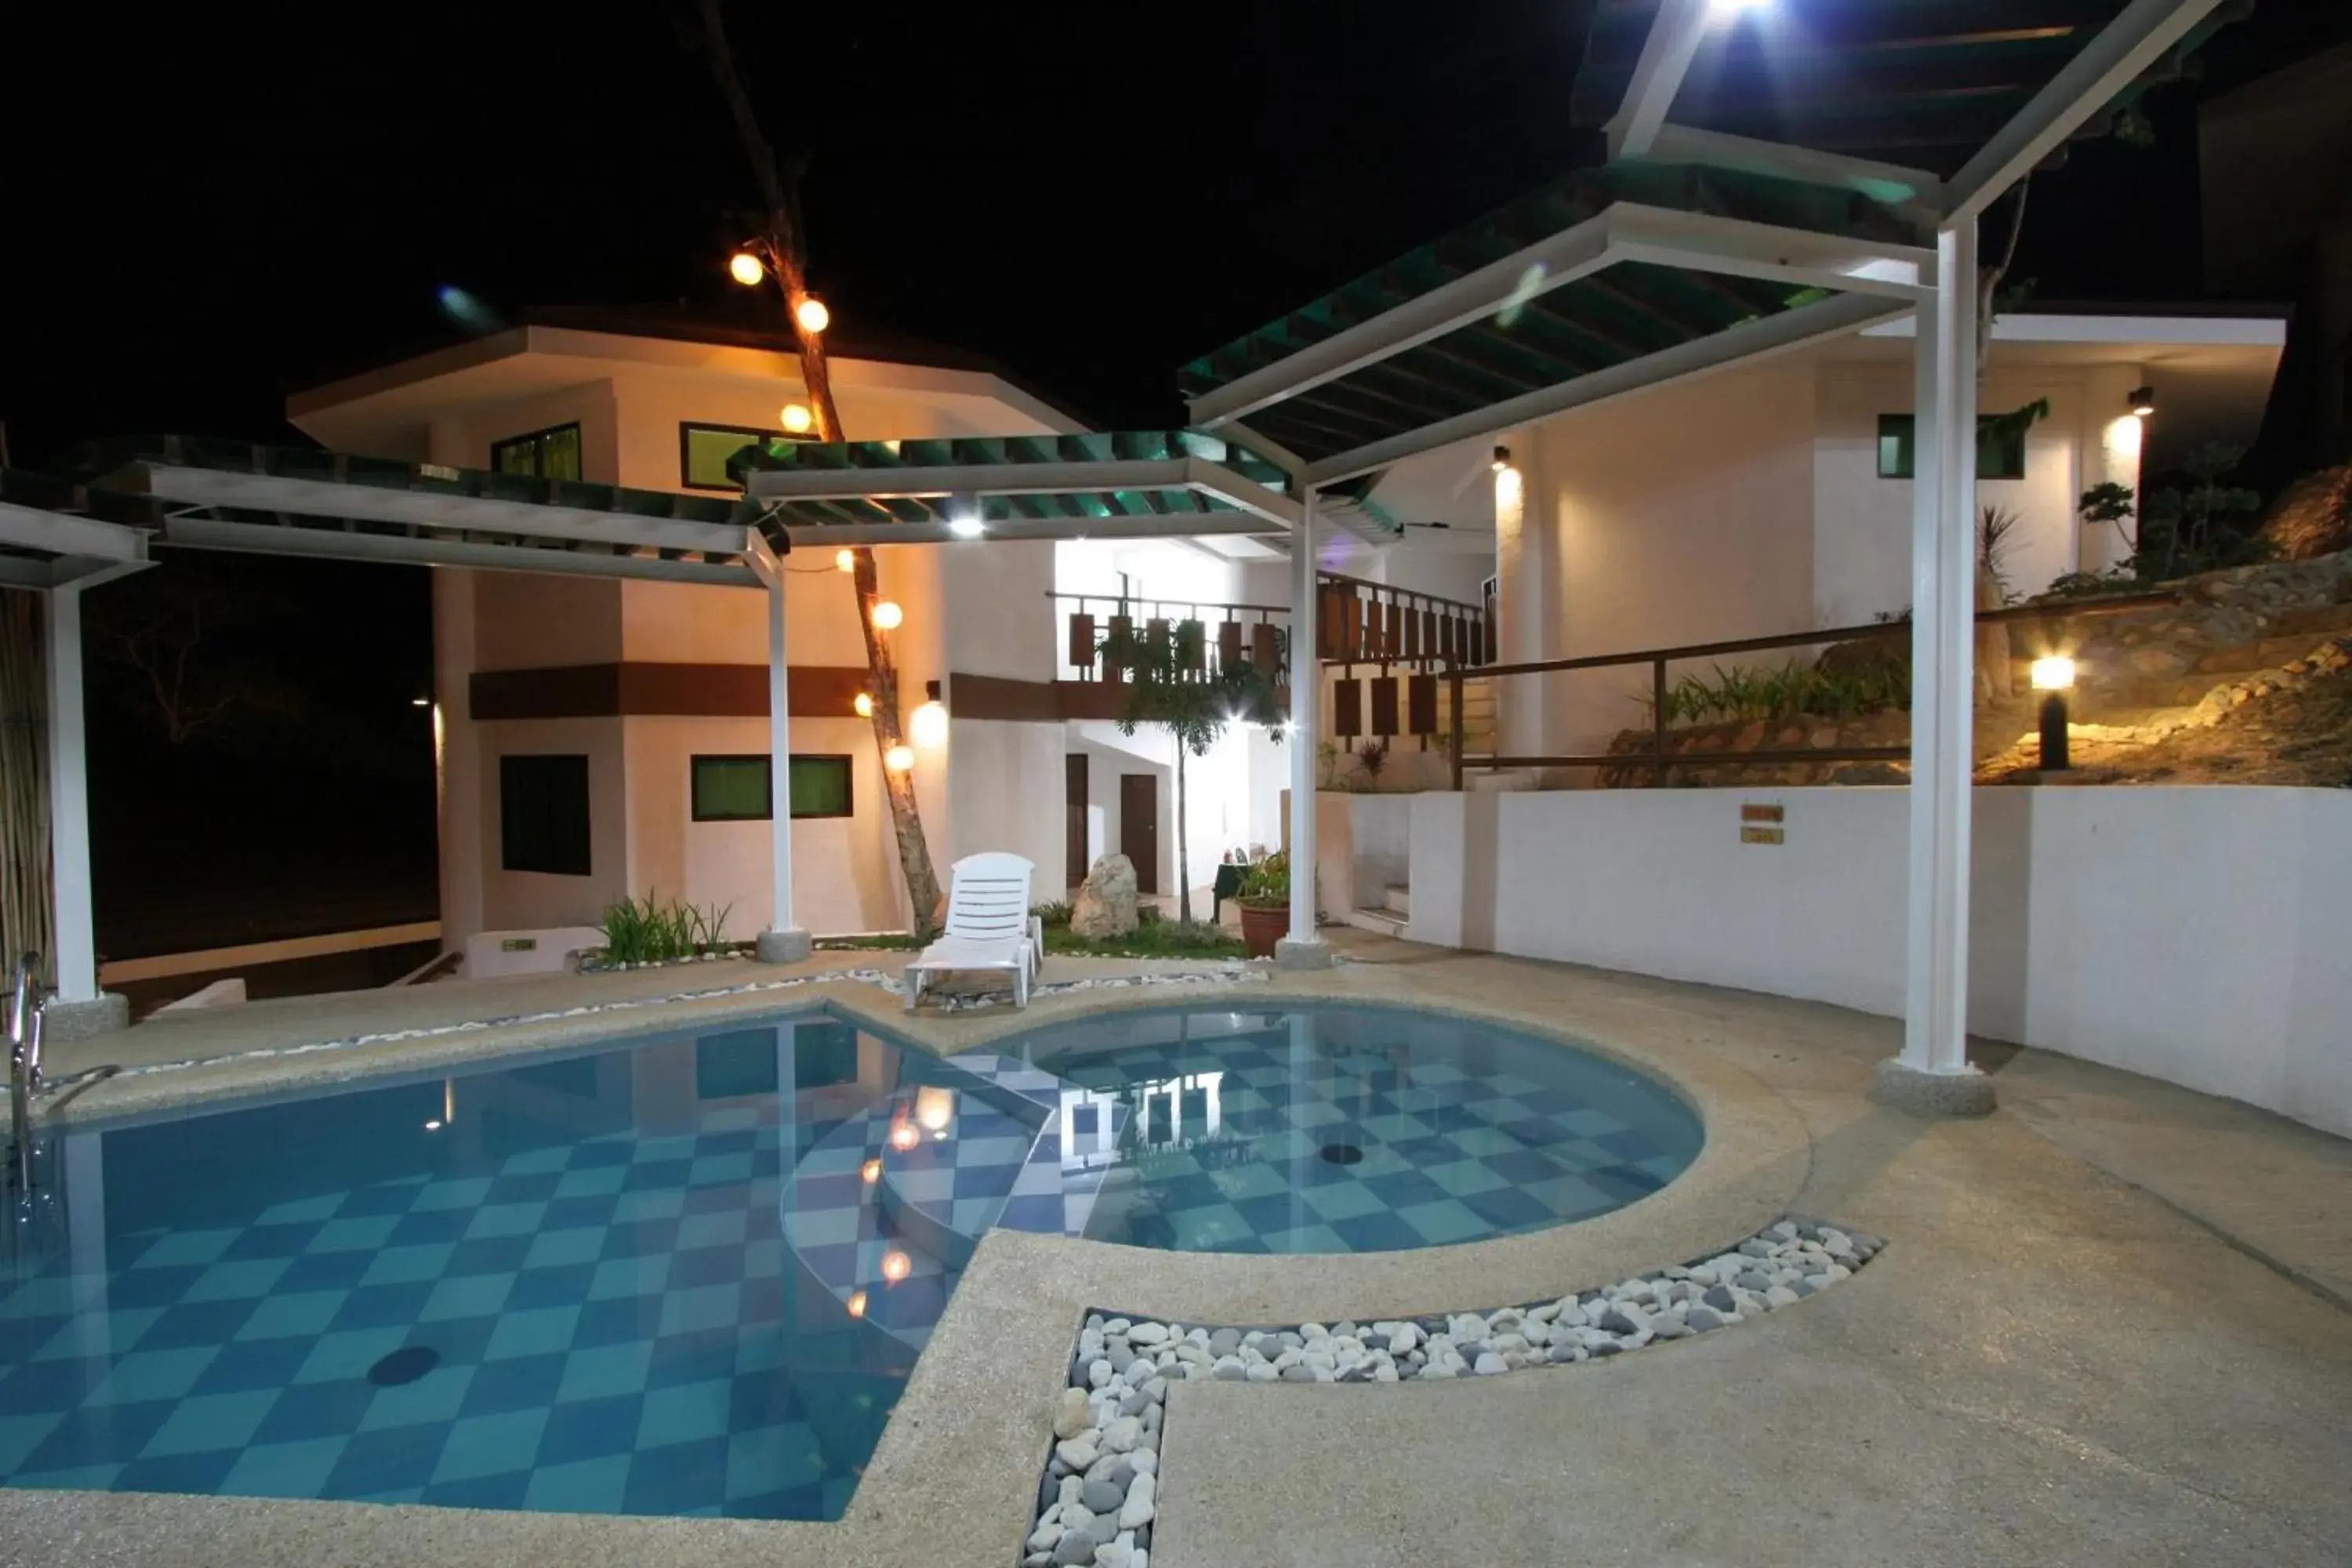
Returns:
(863, 704)
(888, 616)
(845, 560)
(746, 268)
(929, 724)
(898, 759)
(797, 417)
(811, 314)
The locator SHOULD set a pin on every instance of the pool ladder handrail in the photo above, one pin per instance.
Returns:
(26, 1007)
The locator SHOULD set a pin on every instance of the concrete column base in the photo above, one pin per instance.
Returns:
(1290, 954)
(64, 1022)
(782, 946)
(1906, 1088)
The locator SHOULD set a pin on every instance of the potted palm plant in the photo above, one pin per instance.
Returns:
(1264, 900)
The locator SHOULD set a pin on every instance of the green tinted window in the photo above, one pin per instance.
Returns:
(2001, 450)
(735, 789)
(551, 454)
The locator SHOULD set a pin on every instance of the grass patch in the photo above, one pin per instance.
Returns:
(874, 942)
(644, 931)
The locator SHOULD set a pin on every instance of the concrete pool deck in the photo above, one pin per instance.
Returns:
(2048, 1363)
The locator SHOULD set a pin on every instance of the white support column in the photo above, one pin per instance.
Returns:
(1933, 1074)
(76, 959)
(1302, 948)
(784, 942)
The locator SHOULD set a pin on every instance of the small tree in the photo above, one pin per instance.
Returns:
(2191, 527)
(1167, 685)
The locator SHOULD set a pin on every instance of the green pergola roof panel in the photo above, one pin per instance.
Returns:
(1008, 452)
(1624, 312)
(1553, 210)
(1919, 82)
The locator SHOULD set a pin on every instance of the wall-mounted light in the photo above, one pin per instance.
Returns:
(796, 417)
(2053, 675)
(420, 702)
(888, 616)
(746, 268)
(2143, 402)
(1502, 459)
(845, 561)
(863, 703)
(928, 723)
(898, 759)
(811, 314)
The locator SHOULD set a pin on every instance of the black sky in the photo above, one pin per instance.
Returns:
(207, 212)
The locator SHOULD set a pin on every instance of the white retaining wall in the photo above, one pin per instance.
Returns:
(2193, 935)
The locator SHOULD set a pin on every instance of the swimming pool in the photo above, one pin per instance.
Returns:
(1347, 1129)
(692, 1274)
(647, 1278)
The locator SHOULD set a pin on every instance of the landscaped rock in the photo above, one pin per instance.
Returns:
(1106, 903)
(1070, 1413)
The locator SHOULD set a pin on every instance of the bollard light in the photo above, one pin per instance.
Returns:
(2054, 675)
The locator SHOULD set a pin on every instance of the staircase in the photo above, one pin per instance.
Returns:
(1390, 918)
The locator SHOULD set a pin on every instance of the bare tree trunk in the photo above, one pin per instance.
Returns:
(1183, 844)
(786, 259)
(1994, 672)
(26, 869)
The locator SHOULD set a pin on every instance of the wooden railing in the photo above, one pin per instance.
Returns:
(1663, 760)
(1210, 638)
(1357, 622)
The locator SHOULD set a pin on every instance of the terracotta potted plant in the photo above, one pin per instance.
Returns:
(1264, 900)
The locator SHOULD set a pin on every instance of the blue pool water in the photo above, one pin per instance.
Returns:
(1352, 1129)
(570, 1284)
(692, 1274)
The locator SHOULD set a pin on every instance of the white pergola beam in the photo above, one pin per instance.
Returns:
(339, 544)
(1751, 342)
(1676, 35)
(1741, 247)
(481, 514)
(2123, 50)
(1563, 257)
(1893, 184)
(59, 534)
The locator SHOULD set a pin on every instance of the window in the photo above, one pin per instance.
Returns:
(735, 789)
(543, 454)
(2001, 447)
(543, 814)
(703, 451)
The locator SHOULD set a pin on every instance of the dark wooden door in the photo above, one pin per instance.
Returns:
(1138, 828)
(1074, 789)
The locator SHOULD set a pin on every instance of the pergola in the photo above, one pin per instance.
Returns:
(1778, 172)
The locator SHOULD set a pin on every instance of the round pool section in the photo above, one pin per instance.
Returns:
(1345, 1130)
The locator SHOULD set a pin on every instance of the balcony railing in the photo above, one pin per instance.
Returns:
(1210, 638)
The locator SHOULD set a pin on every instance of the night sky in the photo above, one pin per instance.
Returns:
(205, 213)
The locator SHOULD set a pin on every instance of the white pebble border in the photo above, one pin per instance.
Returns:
(1230, 971)
(1098, 1496)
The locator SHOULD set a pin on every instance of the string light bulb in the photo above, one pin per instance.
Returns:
(746, 268)
(797, 417)
(811, 314)
(863, 704)
(898, 759)
(845, 560)
(929, 724)
(888, 616)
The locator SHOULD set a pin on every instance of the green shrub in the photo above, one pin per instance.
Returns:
(1795, 690)
(1266, 883)
(1055, 914)
(647, 931)
(1148, 915)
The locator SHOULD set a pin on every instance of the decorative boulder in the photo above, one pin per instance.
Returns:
(2314, 517)
(1106, 902)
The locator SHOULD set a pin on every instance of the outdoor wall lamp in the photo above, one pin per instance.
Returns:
(2053, 675)
(2143, 402)
(1502, 460)
(928, 723)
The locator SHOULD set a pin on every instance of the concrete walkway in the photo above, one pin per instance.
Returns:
(2048, 1365)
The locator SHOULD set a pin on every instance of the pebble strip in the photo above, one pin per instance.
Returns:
(1230, 971)
(1098, 1496)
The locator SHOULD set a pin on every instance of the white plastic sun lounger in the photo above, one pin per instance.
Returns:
(988, 926)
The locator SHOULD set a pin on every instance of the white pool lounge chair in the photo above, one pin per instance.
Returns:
(988, 926)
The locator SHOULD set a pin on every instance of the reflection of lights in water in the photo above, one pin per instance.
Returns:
(935, 1109)
(895, 1266)
(857, 1304)
(1210, 1085)
(871, 1171)
(432, 1127)
(903, 1136)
